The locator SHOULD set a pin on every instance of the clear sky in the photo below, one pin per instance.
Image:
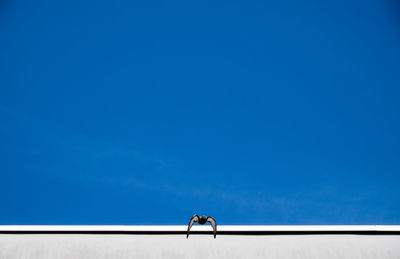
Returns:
(147, 112)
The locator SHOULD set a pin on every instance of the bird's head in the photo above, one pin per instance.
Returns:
(202, 220)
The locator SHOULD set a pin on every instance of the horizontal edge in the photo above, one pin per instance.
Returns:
(222, 229)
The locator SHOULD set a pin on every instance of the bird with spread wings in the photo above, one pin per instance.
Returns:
(202, 220)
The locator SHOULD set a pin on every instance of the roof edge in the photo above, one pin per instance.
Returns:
(222, 229)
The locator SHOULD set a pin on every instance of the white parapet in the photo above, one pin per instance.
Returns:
(221, 228)
(100, 242)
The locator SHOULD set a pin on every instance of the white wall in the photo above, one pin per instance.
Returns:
(85, 246)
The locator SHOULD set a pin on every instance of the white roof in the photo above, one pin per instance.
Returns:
(181, 228)
(113, 242)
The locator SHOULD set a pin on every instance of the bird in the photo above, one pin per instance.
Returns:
(202, 220)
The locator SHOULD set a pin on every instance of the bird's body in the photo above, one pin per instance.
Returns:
(202, 220)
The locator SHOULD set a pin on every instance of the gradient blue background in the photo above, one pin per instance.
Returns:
(146, 112)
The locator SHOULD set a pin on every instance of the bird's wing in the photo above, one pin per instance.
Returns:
(213, 224)
(194, 219)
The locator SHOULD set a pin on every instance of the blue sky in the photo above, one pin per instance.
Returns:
(146, 112)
